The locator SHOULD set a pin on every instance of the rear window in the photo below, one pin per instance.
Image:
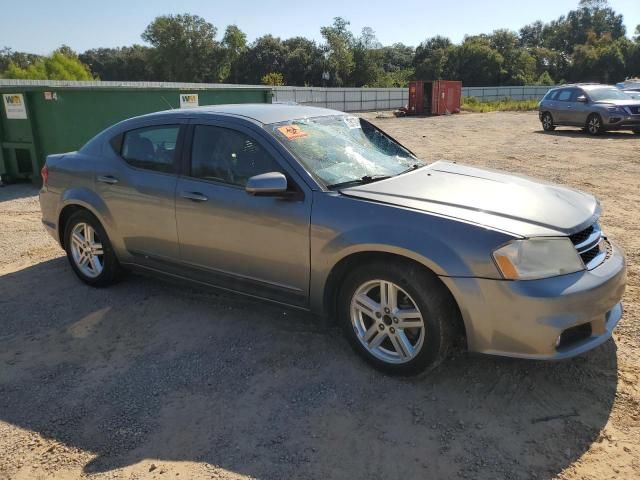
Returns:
(151, 148)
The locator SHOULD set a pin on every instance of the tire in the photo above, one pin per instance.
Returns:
(594, 125)
(364, 319)
(89, 250)
(547, 122)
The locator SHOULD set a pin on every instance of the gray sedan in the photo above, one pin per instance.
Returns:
(322, 211)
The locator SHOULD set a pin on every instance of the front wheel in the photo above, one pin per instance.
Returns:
(594, 125)
(89, 250)
(397, 316)
(547, 122)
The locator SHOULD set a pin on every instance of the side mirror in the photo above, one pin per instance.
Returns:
(267, 184)
(582, 99)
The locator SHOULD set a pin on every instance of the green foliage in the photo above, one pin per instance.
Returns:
(275, 79)
(62, 64)
(340, 53)
(184, 48)
(472, 104)
(586, 44)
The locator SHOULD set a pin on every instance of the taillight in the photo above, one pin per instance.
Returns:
(45, 175)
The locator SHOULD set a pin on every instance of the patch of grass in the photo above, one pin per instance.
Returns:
(472, 104)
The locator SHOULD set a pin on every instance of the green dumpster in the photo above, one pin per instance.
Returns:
(41, 117)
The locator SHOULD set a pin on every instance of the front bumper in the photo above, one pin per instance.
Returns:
(622, 122)
(527, 319)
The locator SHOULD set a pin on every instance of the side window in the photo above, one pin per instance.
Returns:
(228, 156)
(551, 95)
(565, 95)
(576, 93)
(151, 148)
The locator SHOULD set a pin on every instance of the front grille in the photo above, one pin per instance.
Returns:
(588, 245)
(582, 235)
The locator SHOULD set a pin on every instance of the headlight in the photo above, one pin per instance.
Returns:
(537, 258)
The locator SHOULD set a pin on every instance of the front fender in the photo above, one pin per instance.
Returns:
(344, 226)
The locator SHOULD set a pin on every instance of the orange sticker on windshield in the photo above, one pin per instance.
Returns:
(292, 132)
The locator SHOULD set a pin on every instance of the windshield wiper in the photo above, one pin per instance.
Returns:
(413, 167)
(360, 181)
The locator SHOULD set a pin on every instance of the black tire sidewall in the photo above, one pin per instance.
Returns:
(432, 299)
(111, 268)
(552, 127)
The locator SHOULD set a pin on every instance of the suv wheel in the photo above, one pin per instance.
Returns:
(398, 317)
(89, 250)
(594, 124)
(547, 122)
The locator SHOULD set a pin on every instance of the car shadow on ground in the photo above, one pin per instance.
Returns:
(14, 191)
(578, 133)
(154, 370)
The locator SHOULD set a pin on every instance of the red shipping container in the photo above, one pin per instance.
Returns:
(438, 97)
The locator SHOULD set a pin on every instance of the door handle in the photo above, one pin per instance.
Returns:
(194, 196)
(109, 179)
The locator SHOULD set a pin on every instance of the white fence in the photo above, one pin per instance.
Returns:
(497, 93)
(344, 99)
(363, 99)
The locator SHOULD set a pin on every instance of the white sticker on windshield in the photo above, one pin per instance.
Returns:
(352, 122)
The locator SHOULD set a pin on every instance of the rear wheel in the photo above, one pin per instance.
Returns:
(397, 316)
(547, 122)
(594, 124)
(89, 250)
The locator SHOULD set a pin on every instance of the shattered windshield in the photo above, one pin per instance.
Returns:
(342, 149)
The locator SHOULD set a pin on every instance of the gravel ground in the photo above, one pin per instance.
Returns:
(151, 379)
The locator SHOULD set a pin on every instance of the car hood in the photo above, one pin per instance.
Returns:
(620, 103)
(511, 203)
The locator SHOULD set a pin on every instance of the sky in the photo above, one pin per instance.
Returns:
(40, 26)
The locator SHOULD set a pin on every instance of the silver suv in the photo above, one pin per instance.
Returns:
(596, 108)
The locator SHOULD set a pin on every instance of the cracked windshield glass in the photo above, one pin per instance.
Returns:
(341, 150)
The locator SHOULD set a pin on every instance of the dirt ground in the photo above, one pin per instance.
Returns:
(151, 379)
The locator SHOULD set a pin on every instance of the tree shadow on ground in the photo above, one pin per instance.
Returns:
(149, 369)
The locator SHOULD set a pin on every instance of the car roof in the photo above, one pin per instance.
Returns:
(264, 113)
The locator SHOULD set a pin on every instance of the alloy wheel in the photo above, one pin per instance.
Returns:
(547, 122)
(594, 125)
(86, 250)
(387, 321)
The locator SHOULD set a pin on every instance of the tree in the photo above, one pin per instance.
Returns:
(339, 48)
(266, 54)
(21, 59)
(304, 62)
(431, 58)
(58, 66)
(274, 79)
(367, 59)
(126, 63)
(234, 45)
(475, 63)
(184, 48)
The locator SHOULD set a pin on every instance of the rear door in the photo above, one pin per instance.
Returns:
(564, 106)
(258, 245)
(138, 184)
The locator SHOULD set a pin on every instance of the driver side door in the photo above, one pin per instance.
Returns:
(254, 244)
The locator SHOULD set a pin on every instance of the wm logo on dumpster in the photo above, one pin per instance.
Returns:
(189, 100)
